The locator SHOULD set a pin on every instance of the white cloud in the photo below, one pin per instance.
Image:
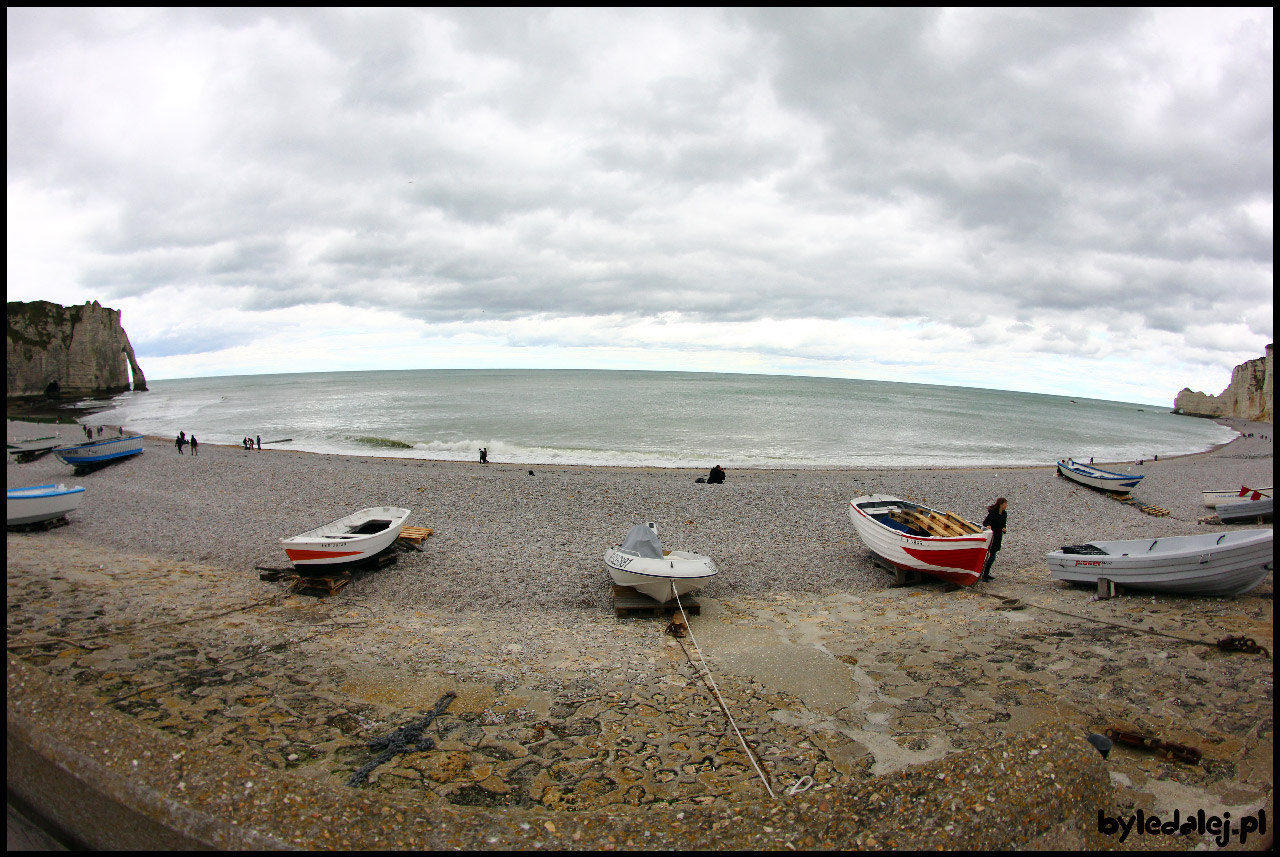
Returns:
(1002, 198)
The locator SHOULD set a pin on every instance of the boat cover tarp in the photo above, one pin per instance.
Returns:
(644, 541)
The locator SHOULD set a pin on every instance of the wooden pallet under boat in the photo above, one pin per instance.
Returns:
(627, 602)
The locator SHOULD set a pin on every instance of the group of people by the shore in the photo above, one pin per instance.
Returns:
(182, 440)
(90, 432)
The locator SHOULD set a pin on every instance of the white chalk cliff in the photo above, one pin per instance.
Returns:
(1248, 396)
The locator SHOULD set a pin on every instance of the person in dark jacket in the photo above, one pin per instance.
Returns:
(996, 520)
(716, 476)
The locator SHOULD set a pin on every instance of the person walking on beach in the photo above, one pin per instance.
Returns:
(996, 519)
(484, 455)
(194, 446)
(177, 441)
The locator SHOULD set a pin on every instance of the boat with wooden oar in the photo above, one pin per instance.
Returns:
(912, 537)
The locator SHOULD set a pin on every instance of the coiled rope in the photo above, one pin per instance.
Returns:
(715, 690)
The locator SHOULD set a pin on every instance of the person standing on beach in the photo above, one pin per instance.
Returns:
(177, 441)
(484, 455)
(996, 520)
(259, 443)
(194, 446)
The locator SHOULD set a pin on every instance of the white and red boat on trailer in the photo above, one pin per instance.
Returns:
(913, 537)
(359, 536)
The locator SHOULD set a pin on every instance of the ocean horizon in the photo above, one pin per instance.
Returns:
(651, 418)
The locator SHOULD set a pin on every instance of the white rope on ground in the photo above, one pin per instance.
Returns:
(711, 680)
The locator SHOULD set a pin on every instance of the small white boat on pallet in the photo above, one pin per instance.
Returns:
(358, 537)
(1213, 498)
(1096, 477)
(98, 452)
(1222, 564)
(1246, 512)
(913, 537)
(41, 503)
(641, 563)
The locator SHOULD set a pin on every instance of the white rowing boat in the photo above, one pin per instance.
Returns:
(1213, 498)
(359, 536)
(41, 503)
(641, 563)
(913, 537)
(1096, 477)
(1228, 563)
(1246, 511)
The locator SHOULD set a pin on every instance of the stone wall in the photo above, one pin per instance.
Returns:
(1248, 396)
(81, 350)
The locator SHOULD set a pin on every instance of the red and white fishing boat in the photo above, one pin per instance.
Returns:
(913, 537)
(357, 537)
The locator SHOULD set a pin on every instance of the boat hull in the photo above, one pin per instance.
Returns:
(678, 573)
(41, 503)
(1097, 478)
(99, 451)
(1213, 499)
(354, 539)
(1247, 511)
(1225, 564)
(955, 559)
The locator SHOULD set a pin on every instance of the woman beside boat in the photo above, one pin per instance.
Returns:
(996, 520)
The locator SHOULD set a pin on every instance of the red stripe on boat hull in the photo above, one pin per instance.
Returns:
(301, 555)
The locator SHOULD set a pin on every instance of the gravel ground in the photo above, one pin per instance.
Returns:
(515, 536)
(867, 690)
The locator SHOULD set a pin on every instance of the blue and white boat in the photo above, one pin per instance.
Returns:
(40, 503)
(98, 452)
(1096, 477)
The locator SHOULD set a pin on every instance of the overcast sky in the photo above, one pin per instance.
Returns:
(1057, 201)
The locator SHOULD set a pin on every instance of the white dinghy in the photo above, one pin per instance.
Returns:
(359, 536)
(1229, 563)
(41, 503)
(1213, 499)
(641, 563)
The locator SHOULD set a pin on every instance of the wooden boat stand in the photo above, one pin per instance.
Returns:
(627, 602)
(39, 526)
(319, 583)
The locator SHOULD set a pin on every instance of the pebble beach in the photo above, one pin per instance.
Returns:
(842, 685)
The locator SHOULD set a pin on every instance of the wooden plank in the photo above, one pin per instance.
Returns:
(416, 535)
(969, 527)
(627, 602)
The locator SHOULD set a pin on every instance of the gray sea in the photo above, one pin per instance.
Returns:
(662, 419)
